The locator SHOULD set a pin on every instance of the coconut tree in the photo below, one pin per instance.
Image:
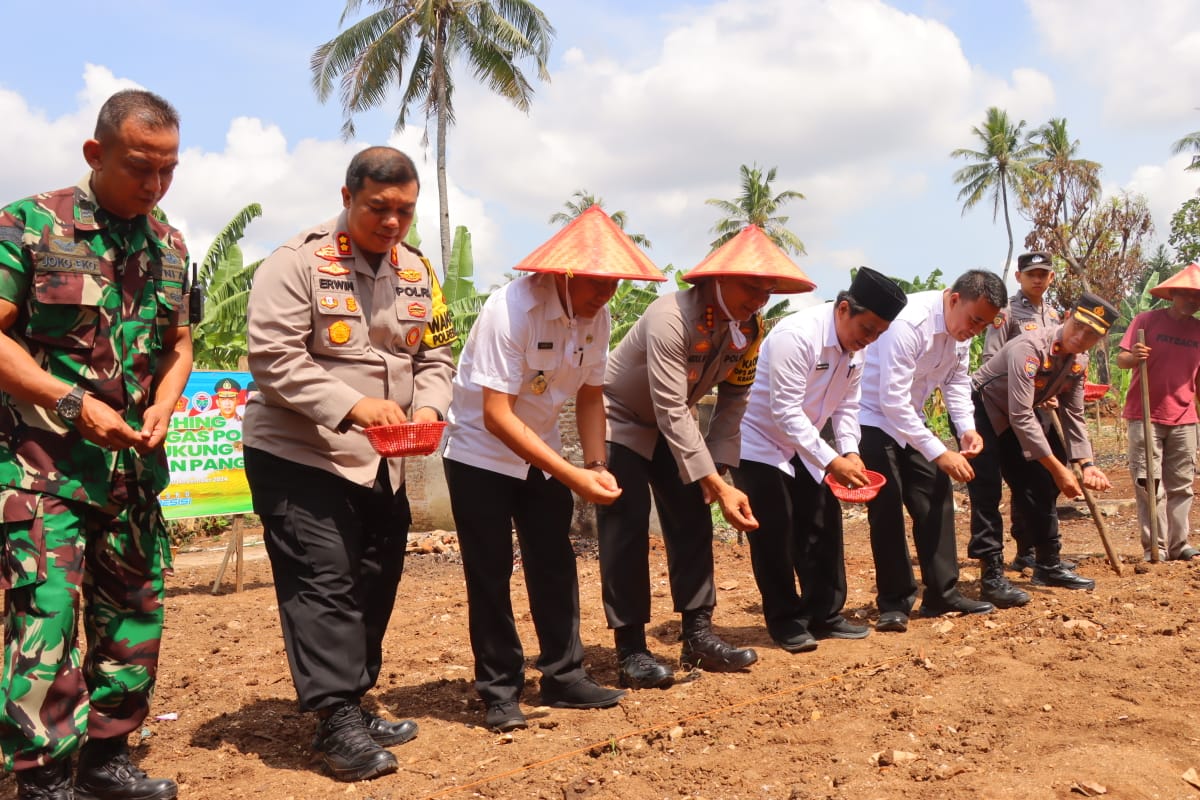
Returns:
(1190, 142)
(757, 206)
(1000, 165)
(1059, 164)
(412, 44)
(583, 200)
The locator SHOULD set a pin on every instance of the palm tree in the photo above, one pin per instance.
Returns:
(1002, 164)
(1189, 142)
(1059, 163)
(756, 206)
(219, 340)
(585, 200)
(410, 44)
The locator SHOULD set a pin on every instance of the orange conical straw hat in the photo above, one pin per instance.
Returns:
(752, 254)
(1186, 278)
(592, 245)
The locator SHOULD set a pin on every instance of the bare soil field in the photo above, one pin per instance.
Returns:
(1077, 694)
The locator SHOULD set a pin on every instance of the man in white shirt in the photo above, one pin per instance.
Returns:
(539, 341)
(808, 373)
(926, 348)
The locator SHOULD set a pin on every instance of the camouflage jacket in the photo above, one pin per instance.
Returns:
(96, 295)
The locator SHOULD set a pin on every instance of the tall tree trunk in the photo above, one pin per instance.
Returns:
(1007, 221)
(439, 73)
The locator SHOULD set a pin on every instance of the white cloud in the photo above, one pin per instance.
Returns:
(1144, 57)
(1166, 186)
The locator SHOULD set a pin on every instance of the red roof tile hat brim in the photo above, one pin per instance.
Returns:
(592, 245)
(1187, 278)
(752, 254)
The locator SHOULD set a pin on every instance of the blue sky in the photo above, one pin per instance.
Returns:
(652, 106)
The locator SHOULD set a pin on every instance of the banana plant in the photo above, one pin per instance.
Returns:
(219, 340)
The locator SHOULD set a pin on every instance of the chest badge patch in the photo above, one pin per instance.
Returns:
(417, 310)
(998, 322)
(339, 333)
(343, 244)
(412, 337)
(703, 346)
(334, 269)
(1076, 369)
(409, 275)
(539, 384)
(351, 305)
(328, 252)
(1031, 326)
(328, 301)
(1031, 366)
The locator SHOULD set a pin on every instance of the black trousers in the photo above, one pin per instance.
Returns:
(486, 506)
(799, 537)
(624, 534)
(337, 553)
(1034, 493)
(916, 484)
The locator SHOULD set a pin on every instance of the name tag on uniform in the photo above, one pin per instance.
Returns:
(821, 366)
(545, 345)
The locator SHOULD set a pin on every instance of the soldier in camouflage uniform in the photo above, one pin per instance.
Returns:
(96, 355)
(1027, 311)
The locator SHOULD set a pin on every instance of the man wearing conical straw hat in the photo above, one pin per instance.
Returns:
(1172, 357)
(686, 344)
(538, 342)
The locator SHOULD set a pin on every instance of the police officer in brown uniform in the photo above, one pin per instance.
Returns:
(686, 344)
(347, 330)
(1027, 311)
(1044, 368)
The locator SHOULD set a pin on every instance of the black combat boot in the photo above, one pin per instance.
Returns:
(638, 668)
(1051, 571)
(387, 733)
(995, 588)
(49, 782)
(704, 649)
(347, 747)
(106, 773)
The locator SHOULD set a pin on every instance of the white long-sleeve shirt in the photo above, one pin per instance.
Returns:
(804, 379)
(912, 358)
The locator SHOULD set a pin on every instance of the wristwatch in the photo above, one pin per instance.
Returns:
(70, 405)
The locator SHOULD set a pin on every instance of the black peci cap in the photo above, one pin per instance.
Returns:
(878, 293)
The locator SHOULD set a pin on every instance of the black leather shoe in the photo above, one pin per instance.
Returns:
(955, 604)
(386, 733)
(49, 782)
(1029, 561)
(1060, 576)
(583, 693)
(348, 749)
(106, 773)
(799, 641)
(505, 715)
(640, 671)
(892, 622)
(842, 629)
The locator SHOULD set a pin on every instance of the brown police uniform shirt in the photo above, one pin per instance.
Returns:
(325, 331)
(1021, 316)
(1027, 372)
(671, 358)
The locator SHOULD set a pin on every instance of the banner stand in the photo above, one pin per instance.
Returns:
(234, 547)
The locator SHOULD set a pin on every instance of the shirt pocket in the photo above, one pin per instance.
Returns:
(543, 362)
(65, 312)
(338, 326)
(23, 550)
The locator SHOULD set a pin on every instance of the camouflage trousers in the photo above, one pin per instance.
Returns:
(56, 551)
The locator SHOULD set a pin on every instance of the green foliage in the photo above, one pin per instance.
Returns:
(627, 306)
(1189, 142)
(462, 298)
(757, 206)
(919, 284)
(219, 341)
(1185, 231)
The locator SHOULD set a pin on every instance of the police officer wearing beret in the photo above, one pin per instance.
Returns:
(1041, 369)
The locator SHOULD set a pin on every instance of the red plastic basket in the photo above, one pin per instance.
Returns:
(1094, 391)
(861, 494)
(409, 439)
